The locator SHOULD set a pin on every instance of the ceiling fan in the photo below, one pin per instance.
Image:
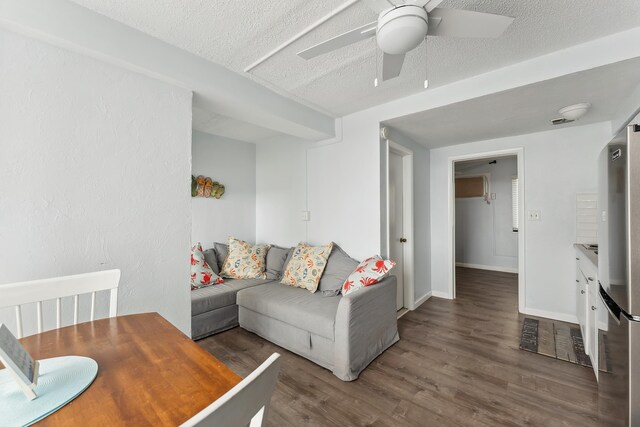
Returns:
(401, 28)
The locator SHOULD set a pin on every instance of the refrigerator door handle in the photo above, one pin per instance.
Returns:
(611, 306)
(614, 309)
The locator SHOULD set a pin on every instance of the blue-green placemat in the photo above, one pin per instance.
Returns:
(61, 380)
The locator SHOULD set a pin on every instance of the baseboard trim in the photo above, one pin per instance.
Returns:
(439, 294)
(402, 312)
(563, 317)
(487, 267)
(421, 300)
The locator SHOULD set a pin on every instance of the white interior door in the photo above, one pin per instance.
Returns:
(396, 226)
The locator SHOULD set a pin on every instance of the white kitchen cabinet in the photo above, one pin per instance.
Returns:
(586, 302)
(581, 304)
(592, 323)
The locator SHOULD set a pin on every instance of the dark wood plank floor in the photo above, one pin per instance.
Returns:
(457, 363)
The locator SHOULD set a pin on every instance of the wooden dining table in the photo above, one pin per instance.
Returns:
(149, 373)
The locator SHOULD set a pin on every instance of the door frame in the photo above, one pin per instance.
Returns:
(519, 153)
(407, 219)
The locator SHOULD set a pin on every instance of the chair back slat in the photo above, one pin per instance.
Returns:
(58, 314)
(19, 321)
(113, 302)
(37, 291)
(39, 305)
(93, 306)
(75, 309)
(245, 404)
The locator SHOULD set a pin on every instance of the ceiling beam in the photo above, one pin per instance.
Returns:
(216, 88)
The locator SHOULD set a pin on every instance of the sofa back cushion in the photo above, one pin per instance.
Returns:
(211, 257)
(339, 266)
(306, 265)
(222, 249)
(276, 258)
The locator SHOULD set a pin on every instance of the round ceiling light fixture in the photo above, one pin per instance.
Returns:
(575, 111)
(401, 29)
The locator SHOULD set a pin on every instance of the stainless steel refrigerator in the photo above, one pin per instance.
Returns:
(619, 277)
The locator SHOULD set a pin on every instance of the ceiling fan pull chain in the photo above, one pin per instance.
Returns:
(375, 50)
(426, 65)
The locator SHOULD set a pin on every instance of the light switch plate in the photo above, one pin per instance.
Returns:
(533, 216)
(306, 215)
(493, 196)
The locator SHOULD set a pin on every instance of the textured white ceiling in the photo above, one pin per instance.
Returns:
(235, 33)
(526, 109)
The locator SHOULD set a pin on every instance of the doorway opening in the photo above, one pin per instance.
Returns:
(487, 233)
(400, 239)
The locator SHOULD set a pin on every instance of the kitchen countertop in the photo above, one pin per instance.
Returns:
(588, 253)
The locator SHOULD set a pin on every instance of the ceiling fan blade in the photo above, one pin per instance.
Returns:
(345, 39)
(428, 5)
(391, 65)
(379, 5)
(466, 23)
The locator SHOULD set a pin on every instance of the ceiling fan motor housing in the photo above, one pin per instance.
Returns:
(401, 29)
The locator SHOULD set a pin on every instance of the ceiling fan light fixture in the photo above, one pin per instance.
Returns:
(401, 29)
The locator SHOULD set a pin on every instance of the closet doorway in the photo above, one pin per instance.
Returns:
(487, 227)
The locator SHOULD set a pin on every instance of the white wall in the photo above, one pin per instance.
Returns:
(344, 189)
(281, 192)
(94, 174)
(557, 165)
(484, 232)
(333, 180)
(232, 163)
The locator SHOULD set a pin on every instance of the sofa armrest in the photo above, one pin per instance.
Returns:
(366, 325)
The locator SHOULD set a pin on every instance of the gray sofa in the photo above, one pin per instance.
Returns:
(214, 309)
(341, 333)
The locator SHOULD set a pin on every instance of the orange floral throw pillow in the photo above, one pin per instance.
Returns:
(245, 261)
(367, 273)
(306, 266)
(201, 273)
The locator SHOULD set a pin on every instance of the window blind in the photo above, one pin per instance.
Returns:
(514, 204)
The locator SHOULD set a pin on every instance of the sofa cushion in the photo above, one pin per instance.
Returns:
(239, 284)
(276, 258)
(210, 298)
(211, 258)
(222, 295)
(222, 251)
(339, 267)
(294, 306)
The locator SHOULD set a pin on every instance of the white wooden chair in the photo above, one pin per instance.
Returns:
(246, 404)
(37, 291)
